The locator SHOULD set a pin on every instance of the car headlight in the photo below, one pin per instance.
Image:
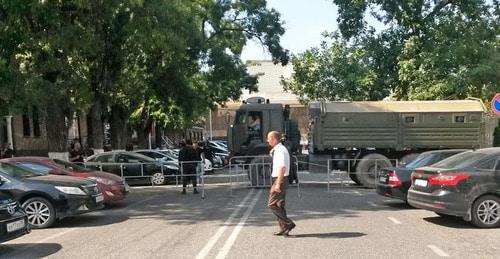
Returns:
(102, 180)
(71, 190)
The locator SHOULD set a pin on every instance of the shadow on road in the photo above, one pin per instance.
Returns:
(90, 221)
(450, 221)
(28, 250)
(330, 235)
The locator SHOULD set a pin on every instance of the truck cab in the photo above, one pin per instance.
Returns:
(254, 119)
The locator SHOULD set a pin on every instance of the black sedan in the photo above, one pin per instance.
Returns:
(394, 182)
(465, 185)
(13, 219)
(45, 197)
(133, 166)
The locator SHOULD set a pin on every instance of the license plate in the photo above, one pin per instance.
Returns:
(420, 182)
(99, 198)
(16, 225)
(382, 179)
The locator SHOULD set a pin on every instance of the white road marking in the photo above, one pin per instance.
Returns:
(395, 221)
(438, 251)
(232, 238)
(211, 242)
(373, 204)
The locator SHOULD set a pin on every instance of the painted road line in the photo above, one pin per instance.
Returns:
(211, 242)
(395, 221)
(232, 238)
(438, 251)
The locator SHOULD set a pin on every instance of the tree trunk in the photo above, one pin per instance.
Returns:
(119, 129)
(96, 126)
(57, 131)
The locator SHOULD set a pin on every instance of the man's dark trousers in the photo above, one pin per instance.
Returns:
(277, 205)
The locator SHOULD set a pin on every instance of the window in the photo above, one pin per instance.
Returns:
(104, 159)
(410, 119)
(36, 122)
(18, 172)
(498, 165)
(460, 119)
(487, 163)
(35, 167)
(26, 125)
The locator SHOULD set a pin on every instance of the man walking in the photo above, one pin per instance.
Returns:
(188, 160)
(281, 170)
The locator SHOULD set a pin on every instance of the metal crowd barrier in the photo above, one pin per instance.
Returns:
(257, 170)
(344, 175)
(103, 167)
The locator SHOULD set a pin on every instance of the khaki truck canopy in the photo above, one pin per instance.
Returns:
(397, 125)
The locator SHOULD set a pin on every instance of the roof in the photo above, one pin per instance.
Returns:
(403, 106)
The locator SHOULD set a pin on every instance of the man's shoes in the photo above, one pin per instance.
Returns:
(195, 191)
(279, 233)
(286, 233)
(183, 192)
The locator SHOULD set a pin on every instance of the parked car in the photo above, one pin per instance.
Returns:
(465, 185)
(170, 158)
(113, 187)
(13, 219)
(394, 182)
(46, 197)
(133, 166)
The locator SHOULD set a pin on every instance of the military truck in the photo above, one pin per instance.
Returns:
(371, 135)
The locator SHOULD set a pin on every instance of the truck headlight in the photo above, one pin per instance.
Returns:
(71, 190)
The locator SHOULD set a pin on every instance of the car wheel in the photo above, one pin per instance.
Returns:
(486, 212)
(41, 213)
(158, 178)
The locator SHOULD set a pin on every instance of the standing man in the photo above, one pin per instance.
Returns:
(188, 160)
(281, 170)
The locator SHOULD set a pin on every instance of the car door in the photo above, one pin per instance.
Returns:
(497, 176)
(106, 163)
(131, 165)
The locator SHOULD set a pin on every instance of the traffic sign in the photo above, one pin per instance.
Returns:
(495, 104)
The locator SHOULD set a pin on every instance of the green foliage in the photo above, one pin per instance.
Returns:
(167, 60)
(426, 50)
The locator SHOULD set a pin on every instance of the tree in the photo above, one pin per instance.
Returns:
(426, 50)
(132, 61)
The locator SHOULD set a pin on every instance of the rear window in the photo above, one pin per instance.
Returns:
(460, 160)
(421, 160)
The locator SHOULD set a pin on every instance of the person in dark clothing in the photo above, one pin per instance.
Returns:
(188, 160)
(7, 152)
(76, 153)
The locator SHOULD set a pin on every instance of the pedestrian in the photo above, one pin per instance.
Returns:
(7, 152)
(280, 173)
(76, 152)
(188, 160)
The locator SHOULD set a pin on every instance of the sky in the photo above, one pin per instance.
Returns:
(305, 20)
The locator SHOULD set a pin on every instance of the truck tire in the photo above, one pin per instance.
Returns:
(365, 171)
(354, 178)
(259, 172)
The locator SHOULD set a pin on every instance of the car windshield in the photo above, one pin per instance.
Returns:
(421, 160)
(460, 160)
(19, 172)
(71, 166)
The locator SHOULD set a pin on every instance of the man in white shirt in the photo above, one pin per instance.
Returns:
(281, 170)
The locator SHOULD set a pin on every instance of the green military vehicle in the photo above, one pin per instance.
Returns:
(376, 134)
(364, 136)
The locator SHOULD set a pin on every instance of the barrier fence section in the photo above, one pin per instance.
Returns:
(257, 170)
(368, 178)
(158, 173)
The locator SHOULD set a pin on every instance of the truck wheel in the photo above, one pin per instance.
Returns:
(259, 171)
(354, 178)
(368, 166)
(408, 158)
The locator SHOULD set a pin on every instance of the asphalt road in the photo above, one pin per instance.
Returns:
(159, 222)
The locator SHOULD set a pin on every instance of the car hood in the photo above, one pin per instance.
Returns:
(60, 180)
